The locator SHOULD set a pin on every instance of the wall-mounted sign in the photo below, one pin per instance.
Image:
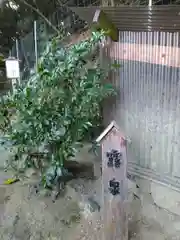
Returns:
(12, 68)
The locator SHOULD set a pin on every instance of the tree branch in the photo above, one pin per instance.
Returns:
(40, 14)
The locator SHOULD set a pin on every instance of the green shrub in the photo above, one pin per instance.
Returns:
(45, 120)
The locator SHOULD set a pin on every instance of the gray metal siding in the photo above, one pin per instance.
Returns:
(136, 18)
(147, 109)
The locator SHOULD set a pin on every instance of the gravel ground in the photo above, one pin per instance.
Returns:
(28, 214)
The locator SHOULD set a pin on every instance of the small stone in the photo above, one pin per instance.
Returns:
(45, 193)
(7, 198)
(44, 205)
(69, 198)
(30, 172)
(16, 219)
(54, 195)
(94, 205)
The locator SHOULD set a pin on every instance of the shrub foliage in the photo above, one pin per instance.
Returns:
(44, 121)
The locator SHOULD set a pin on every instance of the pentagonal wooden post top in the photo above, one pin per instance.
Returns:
(114, 183)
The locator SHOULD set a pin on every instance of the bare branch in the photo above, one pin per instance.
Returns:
(40, 14)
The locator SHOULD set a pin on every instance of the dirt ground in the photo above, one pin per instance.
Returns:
(27, 213)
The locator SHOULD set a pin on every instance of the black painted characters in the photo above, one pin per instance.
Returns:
(114, 158)
(114, 187)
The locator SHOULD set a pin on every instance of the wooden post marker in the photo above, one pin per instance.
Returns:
(114, 183)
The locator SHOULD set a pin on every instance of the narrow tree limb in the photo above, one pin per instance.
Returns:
(40, 14)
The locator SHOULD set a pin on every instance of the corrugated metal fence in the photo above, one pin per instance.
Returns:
(136, 18)
(148, 103)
